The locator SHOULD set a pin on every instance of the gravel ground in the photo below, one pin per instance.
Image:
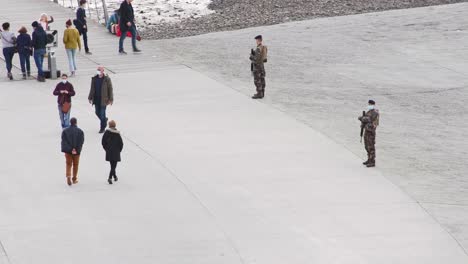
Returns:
(238, 14)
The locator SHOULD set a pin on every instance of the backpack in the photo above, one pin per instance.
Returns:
(264, 54)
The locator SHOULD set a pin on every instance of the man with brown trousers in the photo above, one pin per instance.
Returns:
(101, 95)
(72, 144)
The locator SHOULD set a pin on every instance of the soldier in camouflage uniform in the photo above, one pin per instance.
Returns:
(258, 68)
(370, 121)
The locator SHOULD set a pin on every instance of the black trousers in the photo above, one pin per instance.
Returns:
(113, 165)
(85, 40)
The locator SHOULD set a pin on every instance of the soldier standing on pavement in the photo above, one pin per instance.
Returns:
(370, 122)
(258, 59)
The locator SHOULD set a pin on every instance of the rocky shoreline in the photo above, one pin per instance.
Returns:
(238, 14)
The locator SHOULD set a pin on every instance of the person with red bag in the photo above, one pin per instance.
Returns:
(64, 90)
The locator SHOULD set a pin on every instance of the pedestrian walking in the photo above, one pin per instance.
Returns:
(72, 144)
(370, 122)
(101, 95)
(113, 145)
(39, 43)
(82, 25)
(9, 47)
(127, 23)
(258, 58)
(44, 21)
(23, 44)
(71, 39)
(64, 92)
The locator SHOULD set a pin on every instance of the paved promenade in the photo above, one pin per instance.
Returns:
(208, 176)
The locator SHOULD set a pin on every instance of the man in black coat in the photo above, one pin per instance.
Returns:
(82, 25)
(72, 144)
(127, 23)
(113, 145)
(39, 43)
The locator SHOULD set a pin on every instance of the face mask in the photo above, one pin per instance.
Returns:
(98, 72)
(370, 107)
(64, 81)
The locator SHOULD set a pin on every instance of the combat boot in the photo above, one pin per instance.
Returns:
(370, 165)
(257, 96)
(365, 162)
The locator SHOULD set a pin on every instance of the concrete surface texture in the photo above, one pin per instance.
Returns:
(208, 176)
(322, 72)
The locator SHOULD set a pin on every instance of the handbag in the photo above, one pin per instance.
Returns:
(66, 107)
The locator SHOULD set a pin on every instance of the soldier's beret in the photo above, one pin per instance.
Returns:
(371, 102)
(259, 37)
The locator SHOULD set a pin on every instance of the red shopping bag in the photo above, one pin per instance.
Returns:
(118, 32)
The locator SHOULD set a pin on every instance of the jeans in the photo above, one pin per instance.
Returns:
(25, 62)
(101, 114)
(113, 165)
(8, 53)
(124, 35)
(71, 54)
(72, 162)
(64, 117)
(39, 59)
(85, 40)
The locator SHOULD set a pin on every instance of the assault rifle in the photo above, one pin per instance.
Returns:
(362, 124)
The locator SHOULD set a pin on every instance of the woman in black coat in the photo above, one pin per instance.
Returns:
(113, 145)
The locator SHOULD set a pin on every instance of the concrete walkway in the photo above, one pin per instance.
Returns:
(209, 176)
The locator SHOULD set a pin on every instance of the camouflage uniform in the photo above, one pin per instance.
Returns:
(258, 70)
(370, 122)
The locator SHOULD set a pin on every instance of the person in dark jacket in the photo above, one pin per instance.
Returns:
(72, 144)
(101, 95)
(82, 25)
(24, 43)
(113, 145)
(127, 23)
(64, 92)
(39, 43)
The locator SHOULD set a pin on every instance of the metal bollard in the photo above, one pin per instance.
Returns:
(52, 63)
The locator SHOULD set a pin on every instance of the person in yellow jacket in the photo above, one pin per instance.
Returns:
(71, 39)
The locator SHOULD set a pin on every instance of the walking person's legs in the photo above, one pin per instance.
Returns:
(22, 59)
(62, 117)
(69, 164)
(102, 114)
(121, 41)
(85, 40)
(8, 54)
(28, 64)
(76, 163)
(74, 60)
(134, 35)
(39, 60)
(70, 60)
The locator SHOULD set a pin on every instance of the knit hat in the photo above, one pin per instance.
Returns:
(112, 124)
(68, 23)
(35, 24)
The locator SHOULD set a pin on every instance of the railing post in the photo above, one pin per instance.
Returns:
(106, 14)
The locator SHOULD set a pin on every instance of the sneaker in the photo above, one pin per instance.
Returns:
(122, 52)
(136, 50)
(75, 181)
(41, 79)
(115, 178)
(88, 53)
(24, 76)
(10, 76)
(109, 180)
(370, 165)
(101, 131)
(69, 181)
